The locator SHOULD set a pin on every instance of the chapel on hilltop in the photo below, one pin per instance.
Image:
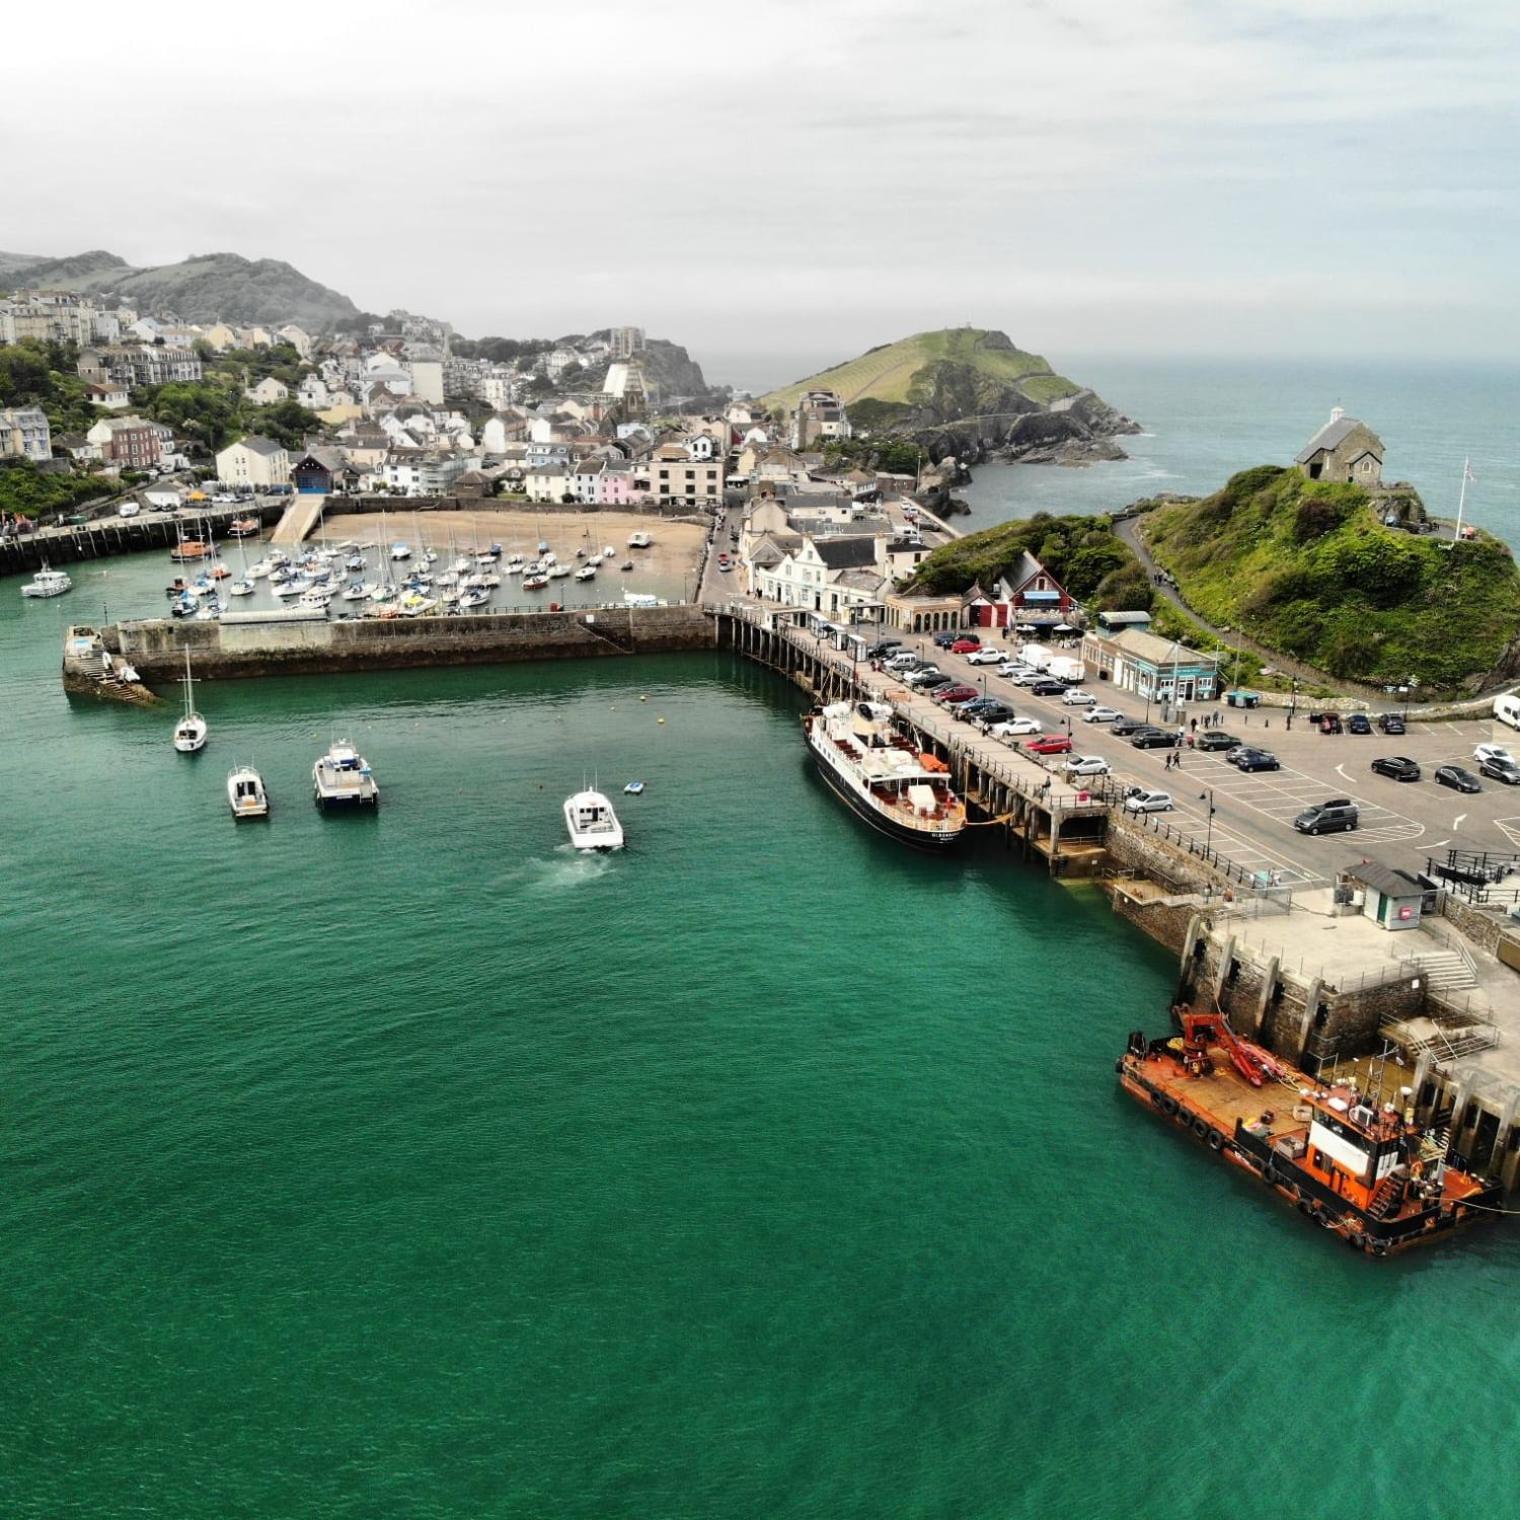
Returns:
(1345, 450)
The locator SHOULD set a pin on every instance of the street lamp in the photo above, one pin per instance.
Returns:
(1292, 699)
(1209, 839)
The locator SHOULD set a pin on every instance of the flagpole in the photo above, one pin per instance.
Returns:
(1462, 496)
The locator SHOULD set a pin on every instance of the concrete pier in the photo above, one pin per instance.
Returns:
(110, 536)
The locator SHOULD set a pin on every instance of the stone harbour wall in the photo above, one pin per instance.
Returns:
(222, 651)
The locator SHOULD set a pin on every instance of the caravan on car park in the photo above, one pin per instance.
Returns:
(1507, 709)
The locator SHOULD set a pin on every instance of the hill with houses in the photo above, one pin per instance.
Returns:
(213, 287)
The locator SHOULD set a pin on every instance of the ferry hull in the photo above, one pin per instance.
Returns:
(931, 843)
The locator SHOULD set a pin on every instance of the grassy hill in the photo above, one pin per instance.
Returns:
(1083, 553)
(205, 288)
(1308, 568)
(907, 373)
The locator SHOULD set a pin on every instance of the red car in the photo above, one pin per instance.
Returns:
(948, 694)
(965, 646)
(1049, 744)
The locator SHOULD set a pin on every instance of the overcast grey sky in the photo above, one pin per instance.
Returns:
(783, 178)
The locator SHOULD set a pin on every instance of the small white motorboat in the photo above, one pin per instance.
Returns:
(639, 540)
(586, 573)
(245, 793)
(592, 823)
(634, 788)
(342, 779)
(47, 583)
(241, 587)
(401, 551)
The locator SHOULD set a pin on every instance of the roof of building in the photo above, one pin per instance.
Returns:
(1157, 651)
(1382, 879)
(1332, 435)
(256, 443)
(846, 553)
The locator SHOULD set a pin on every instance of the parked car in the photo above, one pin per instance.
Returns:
(965, 646)
(1249, 759)
(1087, 765)
(1139, 800)
(1390, 723)
(1124, 727)
(1500, 770)
(1099, 715)
(905, 660)
(955, 692)
(1024, 676)
(1045, 687)
(1492, 752)
(128, 509)
(1216, 738)
(1148, 736)
(1074, 696)
(953, 636)
(1049, 744)
(1458, 778)
(1011, 667)
(1357, 724)
(1328, 817)
(885, 649)
(921, 676)
(1396, 767)
(1013, 728)
(983, 707)
(985, 654)
(1329, 723)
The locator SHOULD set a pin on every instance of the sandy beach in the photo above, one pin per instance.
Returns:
(673, 554)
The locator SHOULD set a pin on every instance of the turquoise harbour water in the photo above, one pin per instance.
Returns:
(411, 1166)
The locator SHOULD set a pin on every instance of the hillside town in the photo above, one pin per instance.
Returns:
(406, 410)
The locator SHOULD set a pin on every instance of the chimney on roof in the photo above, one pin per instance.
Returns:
(1336, 413)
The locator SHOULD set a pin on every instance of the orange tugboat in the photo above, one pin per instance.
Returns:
(1367, 1172)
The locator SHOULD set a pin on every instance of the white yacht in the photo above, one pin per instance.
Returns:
(592, 823)
(586, 573)
(190, 731)
(245, 793)
(47, 583)
(342, 779)
(639, 540)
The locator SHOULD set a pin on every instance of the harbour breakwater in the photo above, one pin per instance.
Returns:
(108, 536)
(283, 646)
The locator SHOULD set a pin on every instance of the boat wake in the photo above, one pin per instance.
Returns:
(569, 868)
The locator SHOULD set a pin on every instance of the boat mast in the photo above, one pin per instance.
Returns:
(1467, 475)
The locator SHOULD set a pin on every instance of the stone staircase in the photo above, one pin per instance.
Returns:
(1446, 970)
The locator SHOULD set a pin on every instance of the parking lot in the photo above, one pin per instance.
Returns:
(1252, 820)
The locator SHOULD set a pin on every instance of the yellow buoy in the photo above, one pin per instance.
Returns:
(643, 699)
(659, 720)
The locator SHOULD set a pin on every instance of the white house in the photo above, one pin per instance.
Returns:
(549, 482)
(835, 574)
(253, 461)
(267, 391)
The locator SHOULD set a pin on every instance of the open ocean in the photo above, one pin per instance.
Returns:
(410, 1165)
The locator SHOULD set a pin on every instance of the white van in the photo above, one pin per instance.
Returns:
(1507, 709)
